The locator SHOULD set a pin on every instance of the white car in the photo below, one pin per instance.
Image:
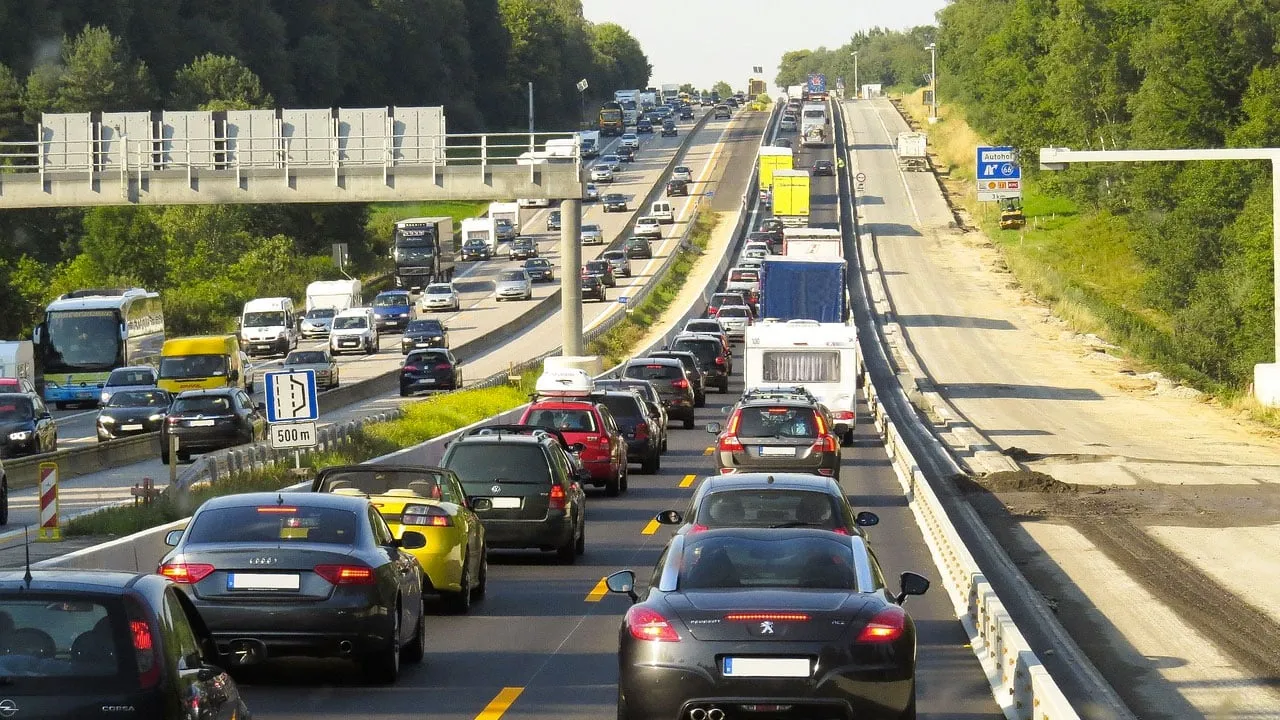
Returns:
(753, 254)
(682, 173)
(611, 161)
(787, 124)
(354, 330)
(648, 226)
(756, 245)
(591, 235)
(602, 173)
(439, 296)
(734, 319)
(533, 202)
(630, 140)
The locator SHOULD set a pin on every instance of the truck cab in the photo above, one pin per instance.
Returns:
(423, 251)
(269, 326)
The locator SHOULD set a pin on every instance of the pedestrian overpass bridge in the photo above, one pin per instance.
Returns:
(275, 156)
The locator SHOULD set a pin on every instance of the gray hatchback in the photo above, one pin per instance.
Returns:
(670, 380)
(778, 436)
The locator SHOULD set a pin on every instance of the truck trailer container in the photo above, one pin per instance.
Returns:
(803, 289)
(791, 197)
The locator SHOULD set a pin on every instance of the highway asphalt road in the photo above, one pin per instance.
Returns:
(740, 135)
(475, 280)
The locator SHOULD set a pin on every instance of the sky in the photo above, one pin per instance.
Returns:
(703, 41)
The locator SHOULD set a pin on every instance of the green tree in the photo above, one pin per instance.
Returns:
(99, 75)
(11, 125)
(218, 82)
(615, 45)
(125, 242)
(723, 88)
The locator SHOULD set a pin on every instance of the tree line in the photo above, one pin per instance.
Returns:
(893, 58)
(474, 57)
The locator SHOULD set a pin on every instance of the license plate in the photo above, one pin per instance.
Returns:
(427, 381)
(509, 503)
(262, 581)
(766, 451)
(130, 427)
(199, 423)
(766, 667)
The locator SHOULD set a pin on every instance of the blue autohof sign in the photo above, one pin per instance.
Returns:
(999, 174)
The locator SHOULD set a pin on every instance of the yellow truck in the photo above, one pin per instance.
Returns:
(772, 159)
(791, 197)
(204, 362)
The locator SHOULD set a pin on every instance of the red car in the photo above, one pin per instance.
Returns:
(583, 422)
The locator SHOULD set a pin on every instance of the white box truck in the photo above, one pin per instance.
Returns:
(821, 357)
(821, 243)
(912, 150)
(337, 295)
(18, 360)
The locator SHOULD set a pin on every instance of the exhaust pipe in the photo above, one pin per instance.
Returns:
(697, 714)
(715, 713)
(344, 647)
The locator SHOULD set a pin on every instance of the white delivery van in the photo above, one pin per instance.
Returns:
(822, 357)
(506, 211)
(354, 330)
(269, 326)
(663, 211)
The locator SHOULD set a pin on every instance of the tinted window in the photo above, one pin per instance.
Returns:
(140, 398)
(706, 350)
(734, 311)
(710, 326)
(769, 508)
(16, 409)
(781, 422)
(351, 322)
(654, 372)
(790, 562)
(427, 357)
(57, 635)
(274, 524)
(622, 406)
(131, 377)
(424, 326)
(512, 275)
(177, 367)
(306, 357)
(568, 420)
(493, 462)
(203, 403)
(394, 300)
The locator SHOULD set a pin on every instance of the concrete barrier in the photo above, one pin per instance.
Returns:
(25, 472)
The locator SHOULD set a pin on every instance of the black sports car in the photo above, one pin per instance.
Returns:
(767, 623)
(311, 574)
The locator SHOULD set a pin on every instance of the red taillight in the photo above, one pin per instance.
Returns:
(697, 528)
(559, 498)
(842, 415)
(720, 360)
(646, 624)
(840, 531)
(186, 573)
(767, 616)
(642, 431)
(444, 366)
(428, 515)
(346, 574)
(410, 368)
(146, 655)
(826, 443)
(730, 443)
(887, 625)
(680, 384)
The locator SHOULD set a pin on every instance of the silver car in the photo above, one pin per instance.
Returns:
(734, 319)
(602, 173)
(592, 193)
(611, 161)
(133, 377)
(618, 259)
(439, 296)
(317, 322)
(592, 235)
(319, 361)
(514, 285)
(682, 173)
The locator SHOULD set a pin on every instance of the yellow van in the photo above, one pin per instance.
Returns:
(202, 363)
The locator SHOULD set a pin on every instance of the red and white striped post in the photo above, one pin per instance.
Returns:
(49, 530)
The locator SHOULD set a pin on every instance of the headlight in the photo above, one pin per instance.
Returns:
(20, 435)
(104, 397)
(103, 420)
(403, 315)
(437, 337)
(157, 417)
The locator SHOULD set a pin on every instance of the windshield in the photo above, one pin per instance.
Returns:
(180, 367)
(770, 508)
(273, 318)
(414, 237)
(306, 357)
(723, 562)
(476, 242)
(274, 525)
(16, 409)
(819, 114)
(218, 404)
(140, 398)
(439, 289)
(418, 326)
(425, 484)
(498, 463)
(512, 276)
(131, 377)
(706, 350)
(503, 224)
(538, 263)
(66, 636)
(320, 313)
(82, 340)
(393, 300)
(351, 322)
(564, 420)
(592, 228)
(779, 422)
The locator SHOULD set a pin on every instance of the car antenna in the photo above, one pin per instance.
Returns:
(26, 536)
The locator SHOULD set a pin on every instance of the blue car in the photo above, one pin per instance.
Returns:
(393, 309)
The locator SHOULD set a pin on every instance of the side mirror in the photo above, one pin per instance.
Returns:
(234, 376)
(726, 409)
(714, 428)
(411, 540)
(623, 582)
(577, 447)
(669, 517)
(866, 519)
(911, 583)
(207, 673)
(173, 537)
(481, 504)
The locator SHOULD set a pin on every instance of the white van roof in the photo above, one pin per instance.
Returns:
(355, 312)
(267, 304)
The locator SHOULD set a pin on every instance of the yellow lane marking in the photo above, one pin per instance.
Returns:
(500, 704)
(651, 528)
(597, 592)
(688, 480)
(708, 451)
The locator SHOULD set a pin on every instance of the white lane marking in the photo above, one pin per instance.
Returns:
(901, 174)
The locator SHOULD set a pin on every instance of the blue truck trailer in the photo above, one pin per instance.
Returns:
(803, 289)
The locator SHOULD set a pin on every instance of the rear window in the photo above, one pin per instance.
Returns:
(769, 508)
(710, 326)
(744, 275)
(778, 421)
(570, 420)
(730, 561)
(622, 406)
(706, 350)
(654, 372)
(57, 635)
(816, 366)
(498, 463)
(274, 525)
(425, 484)
(205, 403)
(131, 377)
(734, 311)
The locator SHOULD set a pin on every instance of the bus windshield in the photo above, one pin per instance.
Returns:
(82, 341)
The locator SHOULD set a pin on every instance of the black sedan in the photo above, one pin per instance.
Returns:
(823, 167)
(770, 500)
(593, 287)
(434, 369)
(792, 622)
(539, 270)
(615, 202)
(302, 574)
(423, 334)
(669, 129)
(26, 425)
(644, 126)
(205, 420)
(476, 250)
(638, 248)
(677, 187)
(133, 412)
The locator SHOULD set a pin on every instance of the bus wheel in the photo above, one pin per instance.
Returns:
(60, 405)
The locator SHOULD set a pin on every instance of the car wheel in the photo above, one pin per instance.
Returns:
(626, 477)
(4, 502)
(567, 554)
(383, 667)
(482, 581)
(460, 602)
(650, 464)
(404, 392)
(613, 486)
(580, 547)
(847, 439)
(416, 650)
(60, 405)
(688, 422)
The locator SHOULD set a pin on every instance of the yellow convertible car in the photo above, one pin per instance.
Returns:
(429, 500)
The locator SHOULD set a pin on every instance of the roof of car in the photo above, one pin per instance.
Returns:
(71, 579)
(208, 392)
(782, 480)
(306, 499)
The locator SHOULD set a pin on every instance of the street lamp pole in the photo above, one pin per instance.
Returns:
(857, 89)
(933, 79)
(1266, 376)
